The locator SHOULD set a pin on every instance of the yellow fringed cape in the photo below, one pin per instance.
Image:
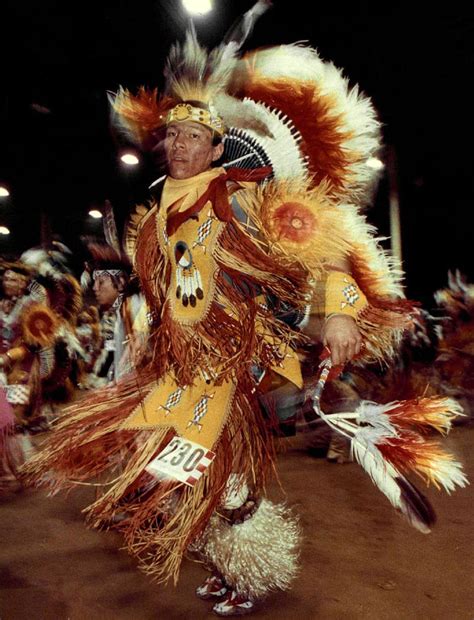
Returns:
(208, 282)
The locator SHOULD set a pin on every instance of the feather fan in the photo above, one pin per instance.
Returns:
(384, 441)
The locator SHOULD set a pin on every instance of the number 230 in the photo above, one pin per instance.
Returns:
(181, 450)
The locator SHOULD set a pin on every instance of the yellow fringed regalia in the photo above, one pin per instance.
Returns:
(219, 260)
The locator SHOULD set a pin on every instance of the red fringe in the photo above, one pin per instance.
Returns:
(229, 344)
(71, 451)
(163, 517)
(388, 313)
(150, 265)
(290, 283)
(244, 447)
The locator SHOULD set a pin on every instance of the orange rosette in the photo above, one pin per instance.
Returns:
(294, 222)
(39, 326)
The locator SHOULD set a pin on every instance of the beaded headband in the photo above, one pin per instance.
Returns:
(188, 112)
(109, 272)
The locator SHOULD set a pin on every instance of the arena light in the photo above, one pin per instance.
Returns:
(130, 159)
(4, 230)
(95, 213)
(197, 7)
(3, 191)
(374, 163)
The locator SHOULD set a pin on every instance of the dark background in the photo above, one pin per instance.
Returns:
(59, 157)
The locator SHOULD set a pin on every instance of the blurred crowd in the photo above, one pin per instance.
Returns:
(61, 334)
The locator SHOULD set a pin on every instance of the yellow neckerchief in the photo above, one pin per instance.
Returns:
(189, 190)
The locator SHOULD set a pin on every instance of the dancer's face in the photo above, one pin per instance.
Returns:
(106, 292)
(189, 149)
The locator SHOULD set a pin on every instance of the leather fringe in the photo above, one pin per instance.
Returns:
(162, 517)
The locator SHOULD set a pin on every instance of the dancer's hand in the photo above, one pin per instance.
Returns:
(342, 336)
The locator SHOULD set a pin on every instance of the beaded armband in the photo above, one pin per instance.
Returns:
(343, 296)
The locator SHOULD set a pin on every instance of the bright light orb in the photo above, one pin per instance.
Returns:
(95, 214)
(374, 163)
(197, 7)
(4, 230)
(129, 159)
(4, 191)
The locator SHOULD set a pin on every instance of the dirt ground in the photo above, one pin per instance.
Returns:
(359, 561)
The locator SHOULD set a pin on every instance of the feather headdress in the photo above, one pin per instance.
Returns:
(282, 107)
(194, 79)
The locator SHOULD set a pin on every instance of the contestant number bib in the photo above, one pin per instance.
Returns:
(182, 460)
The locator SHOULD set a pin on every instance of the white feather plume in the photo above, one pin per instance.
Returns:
(387, 479)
